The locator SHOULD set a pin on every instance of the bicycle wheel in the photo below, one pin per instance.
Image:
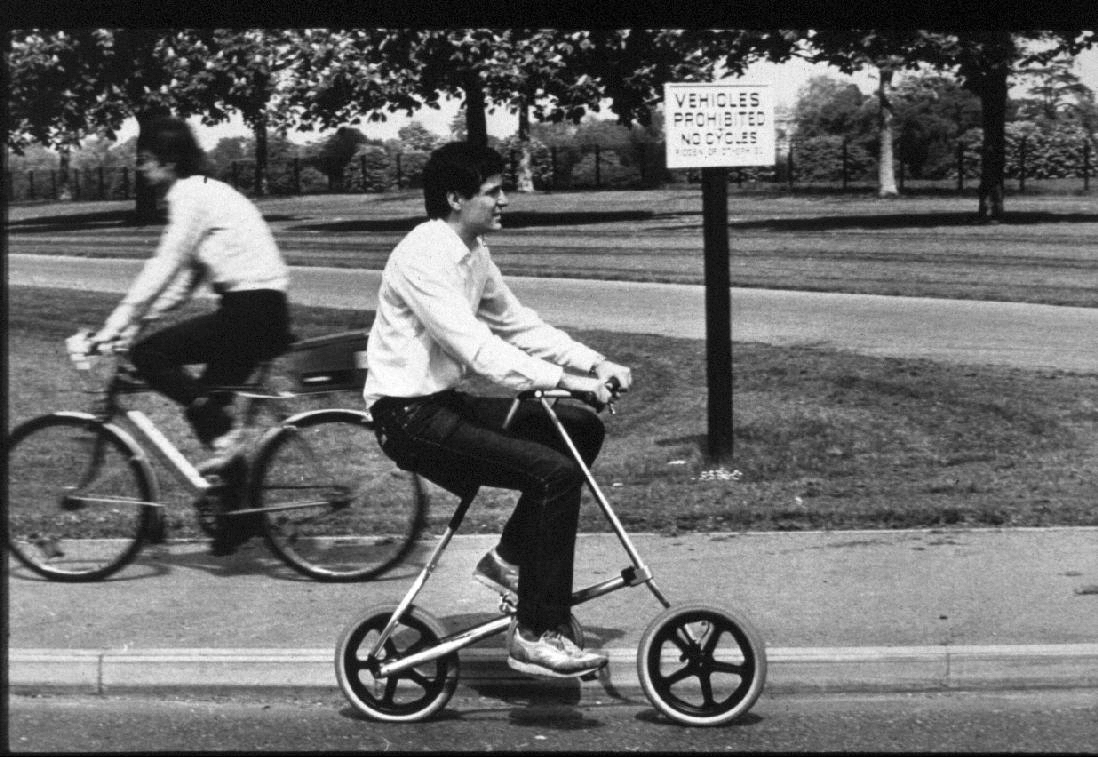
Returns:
(335, 508)
(701, 665)
(79, 497)
(410, 695)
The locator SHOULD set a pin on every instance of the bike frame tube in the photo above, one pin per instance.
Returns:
(483, 630)
(168, 453)
(446, 646)
(604, 505)
(424, 574)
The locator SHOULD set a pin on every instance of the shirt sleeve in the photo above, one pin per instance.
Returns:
(178, 291)
(180, 237)
(522, 327)
(435, 295)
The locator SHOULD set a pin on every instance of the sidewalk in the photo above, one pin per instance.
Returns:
(839, 611)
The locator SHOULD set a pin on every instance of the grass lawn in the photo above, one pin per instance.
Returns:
(1043, 251)
(822, 439)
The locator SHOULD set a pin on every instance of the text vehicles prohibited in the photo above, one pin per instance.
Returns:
(717, 125)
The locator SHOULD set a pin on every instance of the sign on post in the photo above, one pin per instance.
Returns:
(715, 126)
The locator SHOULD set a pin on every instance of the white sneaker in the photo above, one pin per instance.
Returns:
(498, 575)
(550, 654)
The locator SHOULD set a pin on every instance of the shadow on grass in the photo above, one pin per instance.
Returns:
(515, 220)
(699, 440)
(97, 221)
(909, 221)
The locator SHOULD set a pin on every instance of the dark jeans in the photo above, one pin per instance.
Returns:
(456, 441)
(247, 328)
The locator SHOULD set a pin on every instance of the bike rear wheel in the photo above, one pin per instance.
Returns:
(80, 499)
(335, 507)
(414, 694)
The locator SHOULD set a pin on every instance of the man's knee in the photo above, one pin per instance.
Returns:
(587, 432)
(563, 478)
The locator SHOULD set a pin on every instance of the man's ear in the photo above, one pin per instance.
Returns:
(454, 199)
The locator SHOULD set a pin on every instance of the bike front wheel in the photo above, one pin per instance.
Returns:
(701, 665)
(334, 506)
(80, 498)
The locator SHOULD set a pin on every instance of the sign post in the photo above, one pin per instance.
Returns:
(714, 126)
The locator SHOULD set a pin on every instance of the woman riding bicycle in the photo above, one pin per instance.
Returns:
(217, 236)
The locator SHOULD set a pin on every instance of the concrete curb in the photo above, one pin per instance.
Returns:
(789, 669)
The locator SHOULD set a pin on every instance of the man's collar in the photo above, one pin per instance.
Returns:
(458, 251)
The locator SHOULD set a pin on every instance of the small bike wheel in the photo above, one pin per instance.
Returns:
(701, 665)
(79, 497)
(409, 695)
(336, 508)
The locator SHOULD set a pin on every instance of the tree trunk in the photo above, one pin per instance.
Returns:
(476, 123)
(992, 89)
(525, 178)
(993, 101)
(886, 174)
(260, 131)
(64, 175)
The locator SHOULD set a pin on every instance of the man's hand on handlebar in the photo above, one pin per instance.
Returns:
(606, 371)
(600, 392)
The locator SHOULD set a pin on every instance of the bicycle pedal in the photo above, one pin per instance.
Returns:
(506, 606)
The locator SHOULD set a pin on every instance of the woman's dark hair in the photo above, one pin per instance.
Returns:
(456, 167)
(172, 141)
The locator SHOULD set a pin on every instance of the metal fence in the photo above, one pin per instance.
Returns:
(636, 165)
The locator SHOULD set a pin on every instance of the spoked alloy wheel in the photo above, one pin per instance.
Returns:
(701, 665)
(78, 497)
(410, 695)
(336, 508)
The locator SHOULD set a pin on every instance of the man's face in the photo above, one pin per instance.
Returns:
(483, 211)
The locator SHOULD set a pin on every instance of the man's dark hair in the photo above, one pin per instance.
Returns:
(456, 167)
(172, 141)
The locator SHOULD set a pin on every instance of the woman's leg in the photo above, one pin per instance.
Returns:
(250, 327)
(159, 358)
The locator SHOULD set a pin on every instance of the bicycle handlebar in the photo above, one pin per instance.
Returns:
(586, 397)
(81, 346)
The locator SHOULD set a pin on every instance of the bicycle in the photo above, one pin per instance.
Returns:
(699, 664)
(83, 497)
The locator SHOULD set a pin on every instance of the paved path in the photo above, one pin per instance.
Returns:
(848, 610)
(668, 309)
(964, 331)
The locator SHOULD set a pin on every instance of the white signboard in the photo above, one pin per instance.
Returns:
(717, 125)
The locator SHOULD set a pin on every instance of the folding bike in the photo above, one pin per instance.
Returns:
(697, 663)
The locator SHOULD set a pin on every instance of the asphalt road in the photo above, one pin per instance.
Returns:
(963, 331)
(1035, 721)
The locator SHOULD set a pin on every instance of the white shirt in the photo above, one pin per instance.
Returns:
(443, 310)
(214, 235)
